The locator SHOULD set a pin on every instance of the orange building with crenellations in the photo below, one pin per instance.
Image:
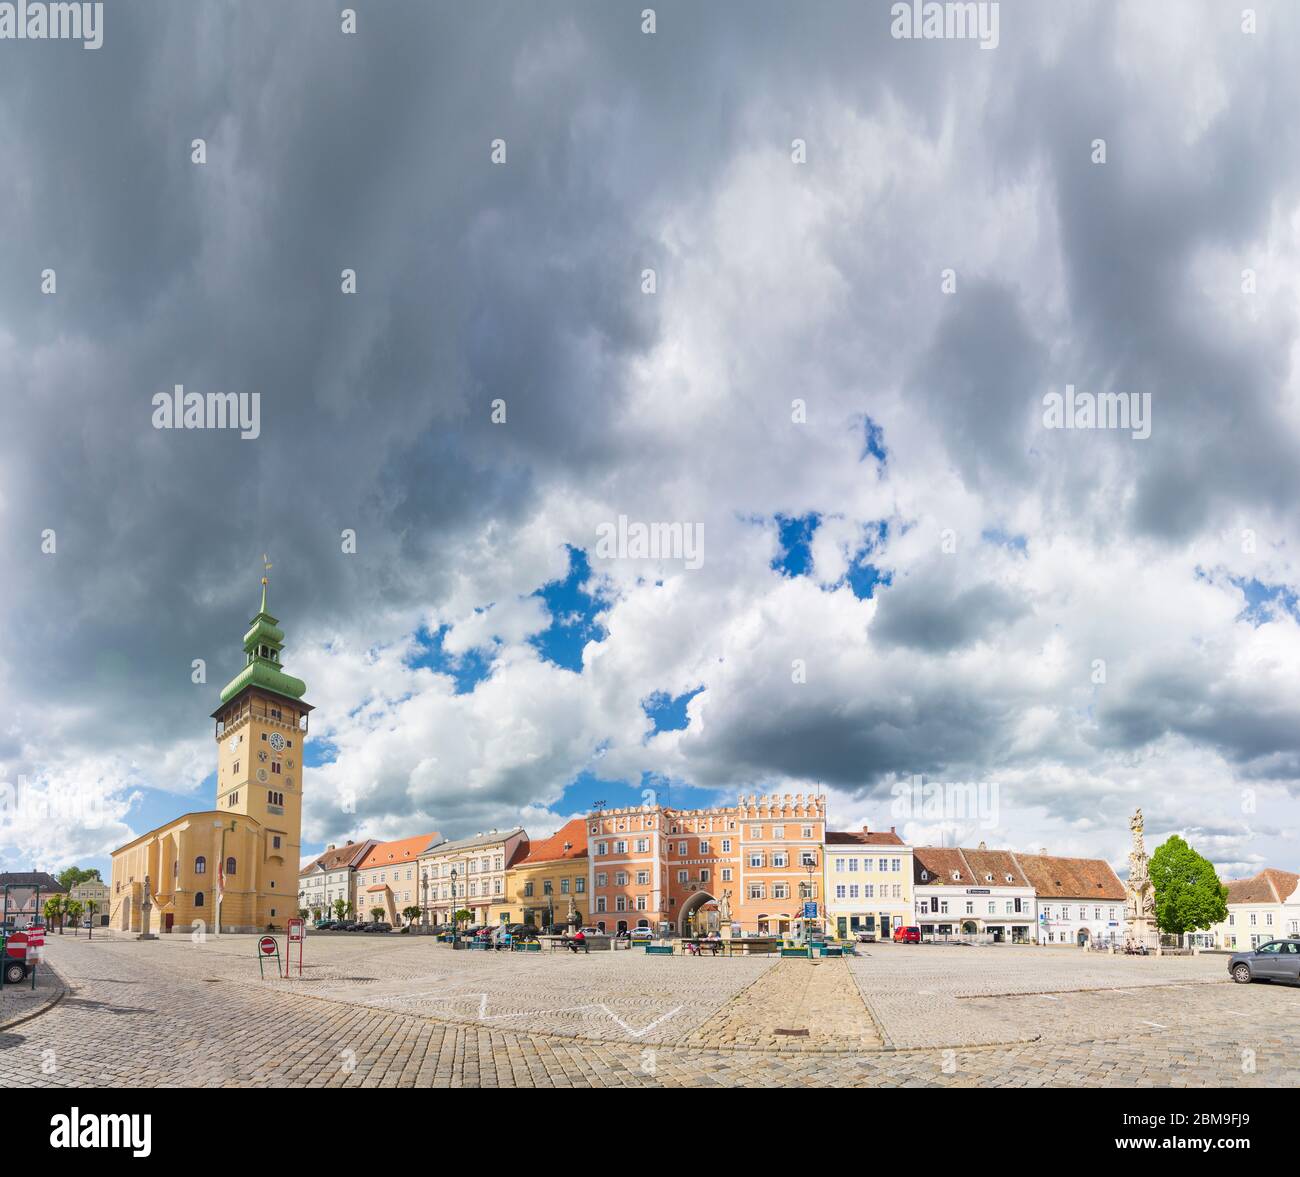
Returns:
(653, 865)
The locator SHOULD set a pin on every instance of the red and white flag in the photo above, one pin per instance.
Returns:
(221, 880)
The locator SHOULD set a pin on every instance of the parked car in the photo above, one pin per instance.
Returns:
(378, 926)
(641, 934)
(1278, 960)
(865, 937)
(592, 932)
(903, 935)
(15, 964)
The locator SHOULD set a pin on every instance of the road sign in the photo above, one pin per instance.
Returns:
(810, 910)
(268, 946)
(297, 934)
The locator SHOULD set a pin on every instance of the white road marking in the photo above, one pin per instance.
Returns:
(1157, 1025)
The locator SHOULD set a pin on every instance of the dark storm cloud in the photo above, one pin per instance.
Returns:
(933, 612)
(325, 152)
(520, 282)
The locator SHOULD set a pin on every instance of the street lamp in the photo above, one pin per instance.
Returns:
(453, 907)
(424, 907)
(812, 893)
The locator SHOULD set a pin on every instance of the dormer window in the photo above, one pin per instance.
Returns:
(956, 876)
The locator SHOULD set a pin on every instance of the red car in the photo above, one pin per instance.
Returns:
(907, 935)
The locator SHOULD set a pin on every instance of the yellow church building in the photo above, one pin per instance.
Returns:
(235, 866)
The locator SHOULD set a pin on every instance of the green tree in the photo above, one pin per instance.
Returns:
(376, 914)
(54, 911)
(340, 908)
(463, 916)
(1189, 896)
(72, 911)
(92, 908)
(411, 913)
(73, 875)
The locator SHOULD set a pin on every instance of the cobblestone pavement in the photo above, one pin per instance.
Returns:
(172, 1013)
(19, 1002)
(928, 995)
(811, 1005)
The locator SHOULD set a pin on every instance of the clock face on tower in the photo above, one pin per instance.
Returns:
(262, 755)
(277, 741)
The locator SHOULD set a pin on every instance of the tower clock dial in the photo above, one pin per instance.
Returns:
(262, 756)
(277, 741)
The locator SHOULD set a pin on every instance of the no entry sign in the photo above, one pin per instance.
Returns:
(268, 946)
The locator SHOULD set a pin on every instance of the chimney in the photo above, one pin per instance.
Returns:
(1042, 850)
(892, 830)
(331, 846)
(983, 846)
(865, 829)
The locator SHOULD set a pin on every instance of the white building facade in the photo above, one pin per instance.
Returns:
(332, 876)
(976, 895)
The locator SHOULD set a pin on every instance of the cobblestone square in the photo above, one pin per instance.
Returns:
(404, 1011)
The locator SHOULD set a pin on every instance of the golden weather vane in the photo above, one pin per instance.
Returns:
(266, 566)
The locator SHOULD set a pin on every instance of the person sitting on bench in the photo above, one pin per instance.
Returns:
(578, 942)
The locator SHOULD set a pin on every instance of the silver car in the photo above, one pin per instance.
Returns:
(1278, 960)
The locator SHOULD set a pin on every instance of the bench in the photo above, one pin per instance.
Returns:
(567, 945)
(795, 952)
(525, 946)
(832, 950)
(658, 950)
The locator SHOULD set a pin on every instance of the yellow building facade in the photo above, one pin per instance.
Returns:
(235, 866)
(547, 884)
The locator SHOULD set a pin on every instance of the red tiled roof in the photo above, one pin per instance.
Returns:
(1269, 886)
(863, 837)
(391, 853)
(1071, 878)
(572, 834)
(937, 864)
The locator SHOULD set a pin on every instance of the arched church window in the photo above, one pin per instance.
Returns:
(230, 866)
(200, 865)
(198, 898)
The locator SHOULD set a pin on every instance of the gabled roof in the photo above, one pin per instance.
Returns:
(972, 868)
(999, 864)
(1071, 878)
(863, 837)
(31, 878)
(568, 842)
(937, 864)
(1269, 886)
(395, 853)
(436, 845)
(341, 856)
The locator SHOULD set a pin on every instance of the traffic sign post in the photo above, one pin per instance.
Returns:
(297, 934)
(268, 946)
